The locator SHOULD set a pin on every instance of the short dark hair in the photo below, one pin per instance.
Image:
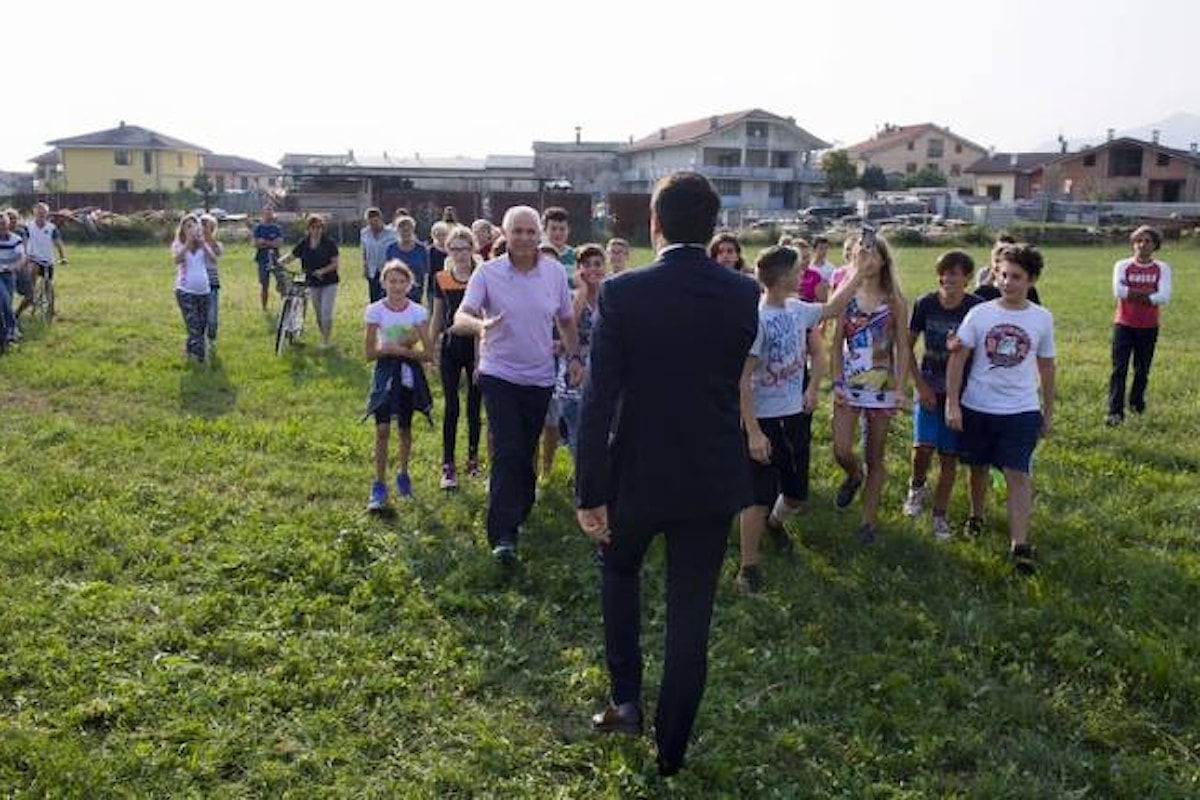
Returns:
(686, 206)
(773, 263)
(954, 258)
(555, 214)
(589, 250)
(820, 240)
(1025, 256)
(1146, 230)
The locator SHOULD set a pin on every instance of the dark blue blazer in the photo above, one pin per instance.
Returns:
(660, 435)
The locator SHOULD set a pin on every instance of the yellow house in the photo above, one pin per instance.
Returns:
(908, 149)
(127, 158)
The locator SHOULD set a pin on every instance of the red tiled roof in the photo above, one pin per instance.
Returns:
(698, 128)
(900, 135)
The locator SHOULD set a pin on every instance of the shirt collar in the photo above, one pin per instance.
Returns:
(679, 245)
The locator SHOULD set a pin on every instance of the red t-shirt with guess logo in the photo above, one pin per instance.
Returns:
(1153, 278)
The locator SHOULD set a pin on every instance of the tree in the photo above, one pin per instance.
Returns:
(840, 173)
(873, 180)
(926, 177)
(203, 184)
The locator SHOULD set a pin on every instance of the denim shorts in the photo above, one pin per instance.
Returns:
(1004, 441)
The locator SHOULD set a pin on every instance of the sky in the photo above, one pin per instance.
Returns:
(264, 78)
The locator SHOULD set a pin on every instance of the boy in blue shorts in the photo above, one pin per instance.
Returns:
(1000, 413)
(776, 405)
(268, 239)
(935, 318)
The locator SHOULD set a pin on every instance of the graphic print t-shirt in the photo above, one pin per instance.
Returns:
(781, 349)
(934, 323)
(397, 327)
(1006, 345)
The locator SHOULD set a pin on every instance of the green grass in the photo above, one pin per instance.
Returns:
(193, 603)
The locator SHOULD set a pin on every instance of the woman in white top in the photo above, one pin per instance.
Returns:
(192, 255)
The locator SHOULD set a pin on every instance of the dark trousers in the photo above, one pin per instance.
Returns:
(457, 360)
(695, 552)
(375, 291)
(515, 415)
(1138, 343)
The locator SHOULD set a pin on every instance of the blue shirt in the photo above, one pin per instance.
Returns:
(417, 260)
(264, 230)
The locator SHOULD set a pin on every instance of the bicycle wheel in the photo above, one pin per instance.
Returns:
(281, 329)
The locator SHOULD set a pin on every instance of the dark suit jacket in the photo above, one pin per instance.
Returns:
(667, 352)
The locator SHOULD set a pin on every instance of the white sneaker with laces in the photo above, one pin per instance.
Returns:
(914, 504)
(941, 529)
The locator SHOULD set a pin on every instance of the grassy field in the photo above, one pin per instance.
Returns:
(193, 602)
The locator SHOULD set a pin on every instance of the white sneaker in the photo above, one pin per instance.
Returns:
(914, 504)
(941, 529)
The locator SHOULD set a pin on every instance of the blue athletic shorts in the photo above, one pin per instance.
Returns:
(930, 430)
(1004, 441)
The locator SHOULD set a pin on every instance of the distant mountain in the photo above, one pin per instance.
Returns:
(1178, 131)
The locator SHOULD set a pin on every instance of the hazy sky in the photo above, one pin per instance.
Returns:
(259, 79)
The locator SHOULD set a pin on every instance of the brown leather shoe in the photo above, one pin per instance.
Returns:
(620, 718)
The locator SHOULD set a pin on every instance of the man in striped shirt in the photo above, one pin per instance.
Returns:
(12, 261)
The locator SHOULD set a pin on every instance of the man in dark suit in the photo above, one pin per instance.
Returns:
(661, 450)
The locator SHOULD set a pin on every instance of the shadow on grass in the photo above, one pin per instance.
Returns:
(206, 389)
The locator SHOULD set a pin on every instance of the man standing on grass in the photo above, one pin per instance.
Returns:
(375, 239)
(268, 238)
(661, 450)
(513, 302)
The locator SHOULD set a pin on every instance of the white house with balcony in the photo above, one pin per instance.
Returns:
(757, 160)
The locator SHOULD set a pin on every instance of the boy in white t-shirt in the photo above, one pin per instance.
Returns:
(776, 404)
(1000, 413)
(394, 326)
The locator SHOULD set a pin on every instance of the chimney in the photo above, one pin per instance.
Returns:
(351, 153)
(1154, 135)
(714, 122)
(578, 134)
(631, 138)
(1194, 146)
(1012, 159)
(1111, 132)
(662, 134)
(122, 125)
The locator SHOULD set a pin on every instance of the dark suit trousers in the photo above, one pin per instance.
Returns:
(515, 417)
(695, 552)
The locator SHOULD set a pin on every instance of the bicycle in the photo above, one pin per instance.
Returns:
(44, 292)
(292, 287)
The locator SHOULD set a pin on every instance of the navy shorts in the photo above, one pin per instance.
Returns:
(398, 407)
(787, 474)
(1004, 441)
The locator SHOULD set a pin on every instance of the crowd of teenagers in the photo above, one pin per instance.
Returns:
(29, 252)
(506, 315)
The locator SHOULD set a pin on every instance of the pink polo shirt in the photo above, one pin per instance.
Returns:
(520, 347)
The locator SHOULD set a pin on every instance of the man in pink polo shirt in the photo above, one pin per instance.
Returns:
(512, 302)
(1141, 284)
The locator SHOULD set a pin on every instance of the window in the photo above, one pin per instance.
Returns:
(756, 131)
(912, 145)
(993, 191)
(781, 160)
(756, 158)
(911, 168)
(121, 185)
(1125, 162)
(958, 148)
(121, 157)
(776, 189)
(932, 167)
(719, 157)
(934, 148)
(728, 188)
(179, 159)
(147, 162)
(1089, 160)
(956, 170)
(220, 184)
(245, 183)
(1162, 160)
